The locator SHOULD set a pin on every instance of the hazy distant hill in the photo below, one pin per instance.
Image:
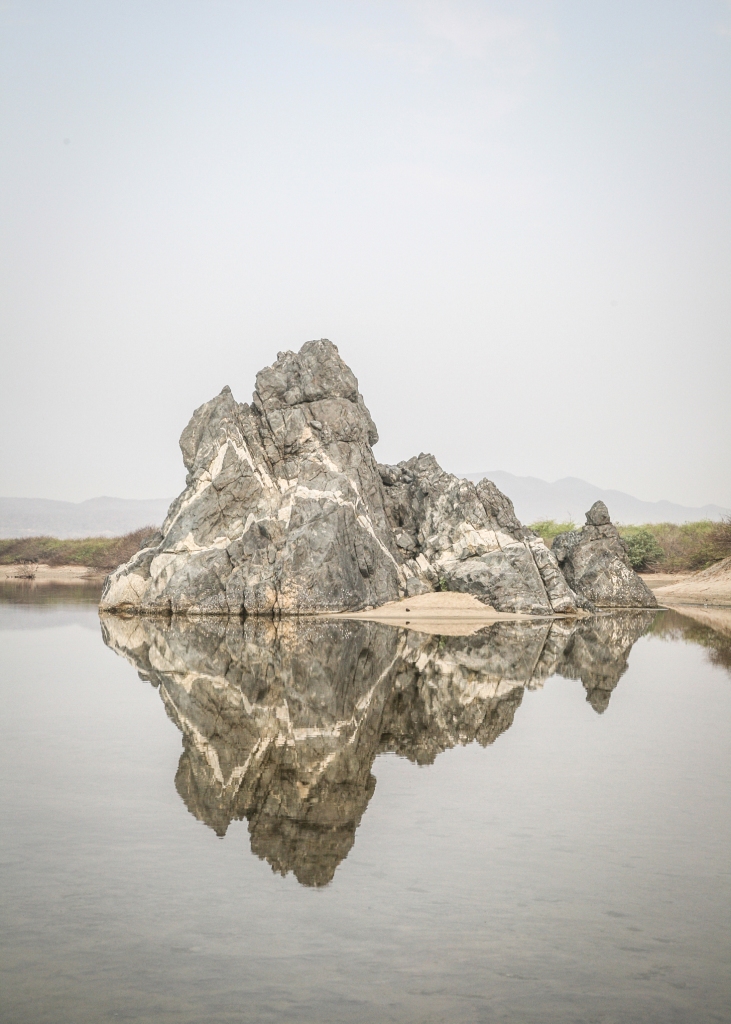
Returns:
(97, 517)
(533, 499)
(570, 498)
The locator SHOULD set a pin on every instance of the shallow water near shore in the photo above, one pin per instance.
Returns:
(343, 821)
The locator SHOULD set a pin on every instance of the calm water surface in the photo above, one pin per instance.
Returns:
(349, 822)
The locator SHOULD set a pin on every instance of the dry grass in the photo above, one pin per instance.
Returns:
(95, 552)
(684, 548)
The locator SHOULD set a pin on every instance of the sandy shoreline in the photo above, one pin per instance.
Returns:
(656, 580)
(704, 595)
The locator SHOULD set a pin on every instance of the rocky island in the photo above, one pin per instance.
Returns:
(286, 512)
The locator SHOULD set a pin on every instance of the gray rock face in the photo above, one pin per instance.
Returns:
(596, 566)
(283, 509)
(281, 719)
(460, 536)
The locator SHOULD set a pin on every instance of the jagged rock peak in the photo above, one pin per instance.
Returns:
(283, 507)
(598, 515)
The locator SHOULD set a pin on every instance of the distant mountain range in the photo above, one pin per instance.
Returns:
(570, 498)
(534, 499)
(97, 517)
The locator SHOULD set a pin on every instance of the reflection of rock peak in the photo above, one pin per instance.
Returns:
(281, 720)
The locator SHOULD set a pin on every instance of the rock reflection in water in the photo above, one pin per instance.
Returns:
(282, 720)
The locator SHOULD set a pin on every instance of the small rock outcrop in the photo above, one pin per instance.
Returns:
(595, 564)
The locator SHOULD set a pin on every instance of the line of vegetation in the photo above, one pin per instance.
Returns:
(663, 547)
(654, 547)
(103, 553)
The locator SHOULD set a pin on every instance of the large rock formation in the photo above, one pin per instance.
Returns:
(285, 511)
(596, 565)
(282, 719)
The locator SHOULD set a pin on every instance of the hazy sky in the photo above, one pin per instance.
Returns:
(514, 220)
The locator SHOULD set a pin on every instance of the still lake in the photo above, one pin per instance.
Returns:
(347, 822)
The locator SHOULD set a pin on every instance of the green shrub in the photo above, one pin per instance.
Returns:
(686, 547)
(642, 547)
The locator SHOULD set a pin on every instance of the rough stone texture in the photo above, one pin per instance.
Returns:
(596, 566)
(283, 506)
(460, 536)
(281, 719)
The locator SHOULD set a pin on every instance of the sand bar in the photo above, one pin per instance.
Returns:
(656, 580)
(50, 574)
(444, 612)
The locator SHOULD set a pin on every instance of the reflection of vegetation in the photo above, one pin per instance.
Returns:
(50, 593)
(663, 547)
(672, 625)
(95, 552)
